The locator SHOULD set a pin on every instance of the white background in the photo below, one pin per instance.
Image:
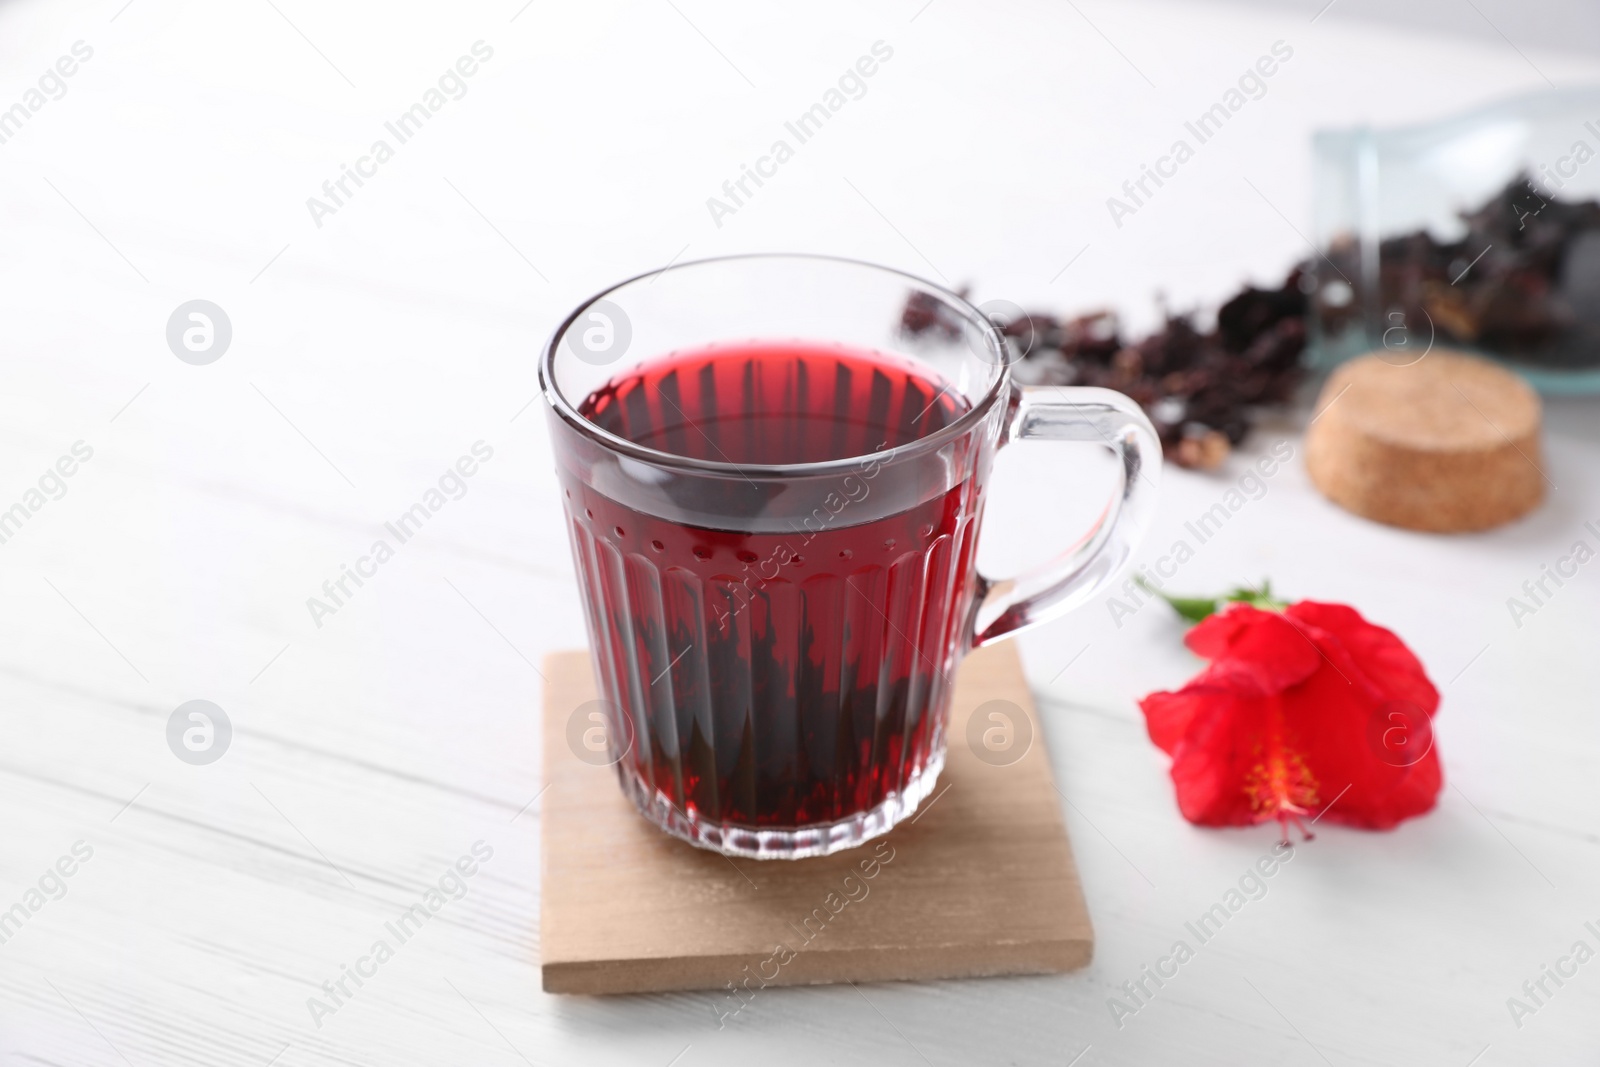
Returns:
(369, 353)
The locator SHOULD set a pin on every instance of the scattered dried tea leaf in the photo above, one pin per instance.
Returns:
(1202, 388)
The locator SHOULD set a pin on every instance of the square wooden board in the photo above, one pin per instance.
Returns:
(980, 881)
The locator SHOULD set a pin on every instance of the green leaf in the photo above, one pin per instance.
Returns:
(1257, 597)
(1195, 608)
(1192, 608)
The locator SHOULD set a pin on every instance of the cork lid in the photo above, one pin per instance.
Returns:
(1447, 443)
(1446, 402)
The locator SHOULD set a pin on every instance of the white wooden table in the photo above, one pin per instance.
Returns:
(371, 751)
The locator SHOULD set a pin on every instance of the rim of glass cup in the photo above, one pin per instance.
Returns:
(931, 443)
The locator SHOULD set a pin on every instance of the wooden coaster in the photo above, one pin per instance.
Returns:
(980, 881)
(1447, 444)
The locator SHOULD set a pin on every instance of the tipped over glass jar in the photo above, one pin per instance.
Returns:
(1478, 232)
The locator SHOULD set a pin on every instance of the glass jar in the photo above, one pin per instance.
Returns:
(1478, 232)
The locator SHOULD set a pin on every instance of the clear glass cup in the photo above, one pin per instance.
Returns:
(774, 643)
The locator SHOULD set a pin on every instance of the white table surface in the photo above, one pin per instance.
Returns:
(369, 353)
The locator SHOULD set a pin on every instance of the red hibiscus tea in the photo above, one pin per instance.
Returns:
(785, 677)
(774, 538)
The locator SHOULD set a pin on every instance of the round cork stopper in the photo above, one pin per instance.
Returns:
(1446, 444)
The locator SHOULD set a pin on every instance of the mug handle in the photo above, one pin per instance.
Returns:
(1080, 413)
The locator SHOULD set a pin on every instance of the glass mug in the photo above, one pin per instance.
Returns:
(774, 498)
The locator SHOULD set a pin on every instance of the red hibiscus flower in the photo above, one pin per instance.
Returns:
(1307, 711)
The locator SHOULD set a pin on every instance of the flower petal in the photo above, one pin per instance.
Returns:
(1378, 653)
(1258, 649)
(1329, 718)
(1168, 715)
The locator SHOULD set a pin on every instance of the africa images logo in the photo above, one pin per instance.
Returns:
(1252, 85)
(336, 192)
(806, 126)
